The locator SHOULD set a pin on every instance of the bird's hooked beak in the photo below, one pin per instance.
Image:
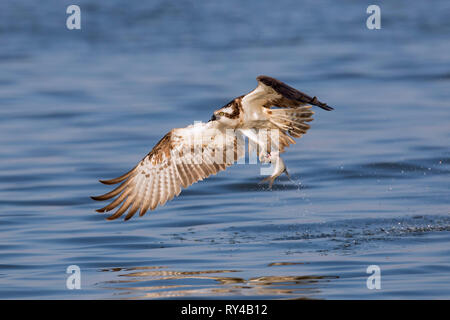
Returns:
(213, 118)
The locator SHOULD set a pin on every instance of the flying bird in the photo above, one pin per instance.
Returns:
(186, 155)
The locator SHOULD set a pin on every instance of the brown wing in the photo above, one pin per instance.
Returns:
(292, 110)
(282, 95)
(174, 162)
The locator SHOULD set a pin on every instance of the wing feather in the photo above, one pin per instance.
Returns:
(154, 191)
(182, 174)
(278, 93)
(125, 205)
(147, 197)
(116, 202)
(173, 182)
(170, 187)
(189, 172)
(158, 191)
(135, 207)
(176, 180)
(164, 188)
(114, 192)
(161, 175)
(121, 178)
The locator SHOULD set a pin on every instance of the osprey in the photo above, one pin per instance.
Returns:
(186, 155)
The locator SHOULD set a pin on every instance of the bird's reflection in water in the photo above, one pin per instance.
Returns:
(159, 282)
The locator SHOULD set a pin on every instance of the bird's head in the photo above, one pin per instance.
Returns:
(227, 116)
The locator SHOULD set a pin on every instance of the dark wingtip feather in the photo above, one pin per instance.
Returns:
(113, 217)
(121, 178)
(314, 101)
(109, 182)
(291, 93)
(326, 107)
(96, 198)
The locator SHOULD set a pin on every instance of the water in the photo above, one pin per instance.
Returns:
(77, 106)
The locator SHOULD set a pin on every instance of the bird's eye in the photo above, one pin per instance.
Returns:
(221, 114)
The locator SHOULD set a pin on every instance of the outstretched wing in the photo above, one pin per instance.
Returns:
(181, 158)
(273, 92)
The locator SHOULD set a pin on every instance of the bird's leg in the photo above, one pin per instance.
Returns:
(279, 168)
(268, 157)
